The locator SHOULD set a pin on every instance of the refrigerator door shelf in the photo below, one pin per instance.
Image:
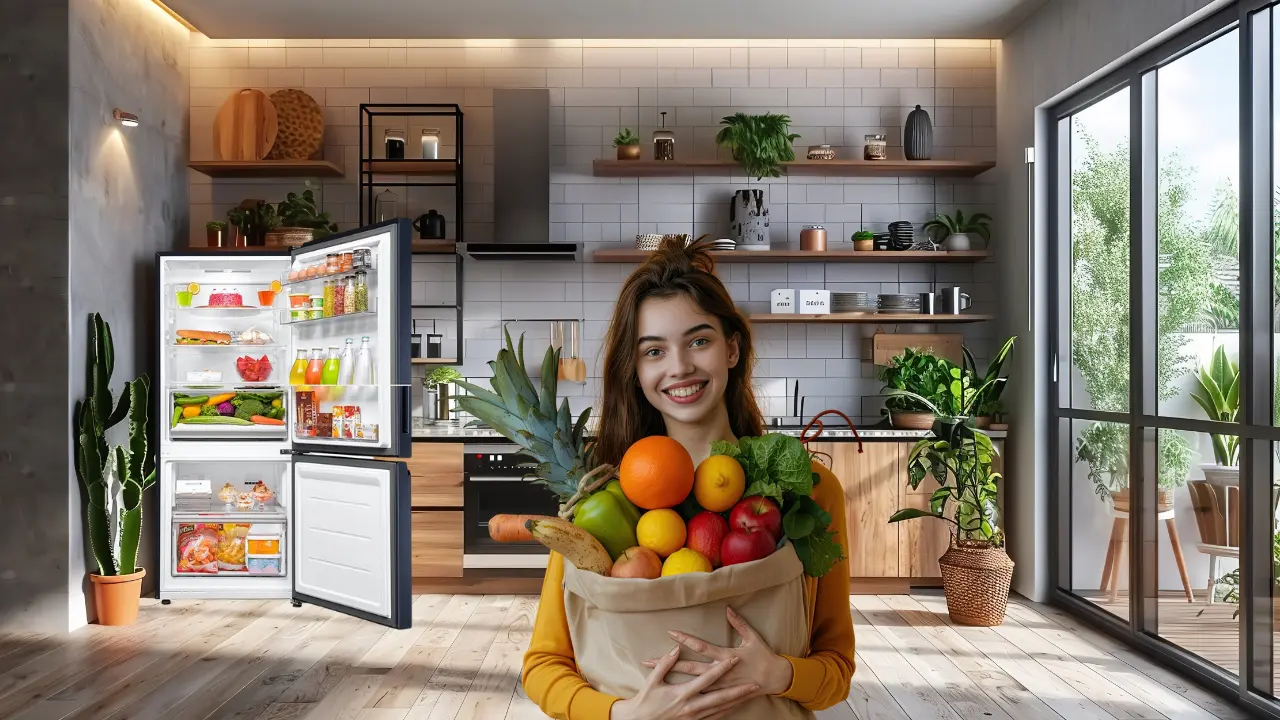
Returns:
(311, 316)
(314, 283)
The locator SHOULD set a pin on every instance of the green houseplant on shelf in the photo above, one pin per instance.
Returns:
(628, 145)
(113, 479)
(301, 220)
(976, 571)
(438, 394)
(913, 383)
(216, 234)
(1217, 392)
(759, 143)
(955, 232)
(253, 220)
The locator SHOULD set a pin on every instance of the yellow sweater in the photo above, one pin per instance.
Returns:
(551, 678)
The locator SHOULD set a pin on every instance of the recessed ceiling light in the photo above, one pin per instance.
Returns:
(126, 119)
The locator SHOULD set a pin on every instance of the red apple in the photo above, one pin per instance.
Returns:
(741, 546)
(757, 513)
(706, 531)
(637, 562)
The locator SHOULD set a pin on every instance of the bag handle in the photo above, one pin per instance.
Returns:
(817, 427)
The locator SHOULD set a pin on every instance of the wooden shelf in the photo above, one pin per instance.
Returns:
(433, 247)
(631, 255)
(434, 361)
(844, 168)
(252, 169)
(871, 319)
(411, 167)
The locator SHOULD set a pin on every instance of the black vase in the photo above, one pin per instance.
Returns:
(917, 137)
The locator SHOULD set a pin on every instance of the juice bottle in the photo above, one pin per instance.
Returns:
(329, 373)
(346, 364)
(315, 368)
(298, 373)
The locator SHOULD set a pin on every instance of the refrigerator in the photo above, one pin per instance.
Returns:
(279, 481)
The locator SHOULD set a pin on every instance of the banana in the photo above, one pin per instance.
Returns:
(576, 545)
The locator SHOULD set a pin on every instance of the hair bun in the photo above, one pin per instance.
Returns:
(683, 254)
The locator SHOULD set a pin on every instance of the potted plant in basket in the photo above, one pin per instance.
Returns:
(1218, 394)
(955, 233)
(301, 221)
(913, 381)
(628, 145)
(759, 143)
(113, 479)
(864, 240)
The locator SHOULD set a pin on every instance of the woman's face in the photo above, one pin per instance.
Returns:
(682, 358)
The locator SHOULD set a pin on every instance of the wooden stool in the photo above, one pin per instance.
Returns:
(1120, 535)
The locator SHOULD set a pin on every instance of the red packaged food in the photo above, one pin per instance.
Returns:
(305, 402)
(350, 421)
(198, 548)
(324, 425)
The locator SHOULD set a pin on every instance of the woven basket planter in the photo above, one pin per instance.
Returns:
(289, 237)
(975, 578)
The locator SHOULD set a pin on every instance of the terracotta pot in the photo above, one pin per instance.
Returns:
(982, 422)
(976, 578)
(216, 237)
(235, 237)
(115, 597)
(628, 152)
(911, 420)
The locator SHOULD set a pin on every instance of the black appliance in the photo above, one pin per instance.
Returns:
(492, 484)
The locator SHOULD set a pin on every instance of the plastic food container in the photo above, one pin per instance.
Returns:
(263, 544)
(269, 565)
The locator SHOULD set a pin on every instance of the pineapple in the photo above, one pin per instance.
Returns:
(530, 419)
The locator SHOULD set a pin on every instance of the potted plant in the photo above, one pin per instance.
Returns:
(985, 404)
(301, 221)
(437, 394)
(254, 219)
(1218, 394)
(628, 145)
(912, 375)
(864, 240)
(760, 143)
(216, 234)
(976, 571)
(113, 479)
(956, 231)
(1105, 447)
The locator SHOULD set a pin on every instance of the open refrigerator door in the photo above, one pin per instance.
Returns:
(348, 329)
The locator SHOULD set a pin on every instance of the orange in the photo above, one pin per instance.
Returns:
(276, 286)
(685, 560)
(719, 483)
(656, 472)
(662, 531)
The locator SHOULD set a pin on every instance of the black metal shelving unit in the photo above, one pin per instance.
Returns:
(376, 174)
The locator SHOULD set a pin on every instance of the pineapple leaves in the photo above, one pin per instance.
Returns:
(550, 364)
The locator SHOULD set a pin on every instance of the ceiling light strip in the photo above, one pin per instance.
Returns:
(175, 15)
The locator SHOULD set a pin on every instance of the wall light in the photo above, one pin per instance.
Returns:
(126, 119)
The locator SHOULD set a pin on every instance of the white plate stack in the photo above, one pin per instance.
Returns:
(723, 244)
(852, 303)
(893, 303)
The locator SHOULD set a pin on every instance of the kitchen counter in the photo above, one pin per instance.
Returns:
(453, 433)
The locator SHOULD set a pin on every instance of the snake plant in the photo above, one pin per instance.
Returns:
(113, 478)
(1218, 394)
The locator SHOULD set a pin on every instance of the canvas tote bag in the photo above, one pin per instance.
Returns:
(617, 623)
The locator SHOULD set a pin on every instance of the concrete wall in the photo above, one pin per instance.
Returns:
(1058, 48)
(128, 200)
(34, 463)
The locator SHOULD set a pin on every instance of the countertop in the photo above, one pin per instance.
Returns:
(453, 433)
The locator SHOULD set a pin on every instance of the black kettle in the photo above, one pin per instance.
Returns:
(430, 226)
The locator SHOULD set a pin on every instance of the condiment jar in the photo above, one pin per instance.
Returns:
(813, 238)
(876, 148)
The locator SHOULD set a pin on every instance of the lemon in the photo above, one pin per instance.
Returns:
(276, 286)
(718, 483)
(685, 560)
(662, 531)
(194, 288)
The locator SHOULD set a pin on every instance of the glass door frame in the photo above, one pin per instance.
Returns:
(1254, 18)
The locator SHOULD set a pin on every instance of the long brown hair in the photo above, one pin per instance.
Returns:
(673, 269)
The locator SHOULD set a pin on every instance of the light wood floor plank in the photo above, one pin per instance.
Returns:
(491, 692)
(903, 681)
(964, 696)
(459, 667)
(317, 682)
(868, 697)
(347, 699)
(407, 681)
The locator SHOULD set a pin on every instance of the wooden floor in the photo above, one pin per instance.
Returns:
(461, 659)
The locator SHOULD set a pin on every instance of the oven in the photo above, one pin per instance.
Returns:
(492, 484)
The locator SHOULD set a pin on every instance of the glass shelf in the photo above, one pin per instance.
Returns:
(319, 279)
(229, 387)
(225, 311)
(286, 319)
(220, 511)
(243, 347)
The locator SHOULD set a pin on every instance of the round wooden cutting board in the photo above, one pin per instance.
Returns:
(245, 127)
(301, 125)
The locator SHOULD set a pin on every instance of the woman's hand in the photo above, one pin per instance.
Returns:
(757, 663)
(659, 701)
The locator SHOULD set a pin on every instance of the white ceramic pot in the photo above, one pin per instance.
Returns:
(957, 241)
(1223, 475)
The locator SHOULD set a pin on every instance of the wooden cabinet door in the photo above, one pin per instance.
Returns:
(435, 474)
(870, 480)
(437, 544)
(922, 540)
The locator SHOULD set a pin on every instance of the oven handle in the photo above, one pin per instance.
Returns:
(493, 478)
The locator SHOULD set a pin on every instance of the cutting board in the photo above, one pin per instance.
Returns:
(245, 127)
(886, 346)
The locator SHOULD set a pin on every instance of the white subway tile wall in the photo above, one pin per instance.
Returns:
(836, 91)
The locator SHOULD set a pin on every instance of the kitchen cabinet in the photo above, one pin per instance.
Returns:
(923, 540)
(437, 544)
(435, 475)
(870, 497)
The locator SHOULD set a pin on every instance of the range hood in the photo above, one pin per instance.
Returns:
(522, 182)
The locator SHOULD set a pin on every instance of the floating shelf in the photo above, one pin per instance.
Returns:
(434, 361)
(266, 168)
(869, 318)
(845, 168)
(433, 247)
(411, 167)
(631, 255)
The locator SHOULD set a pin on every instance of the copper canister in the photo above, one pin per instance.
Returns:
(813, 238)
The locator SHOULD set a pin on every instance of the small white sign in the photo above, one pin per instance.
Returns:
(814, 302)
(193, 487)
(783, 301)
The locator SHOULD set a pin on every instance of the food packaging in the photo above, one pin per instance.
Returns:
(814, 302)
(231, 547)
(264, 565)
(614, 629)
(782, 301)
(198, 548)
(264, 544)
(350, 421)
(304, 402)
(369, 431)
(324, 425)
(335, 429)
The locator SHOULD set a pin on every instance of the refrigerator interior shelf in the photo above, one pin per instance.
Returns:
(243, 347)
(250, 431)
(342, 440)
(218, 511)
(225, 310)
(227, 573)
(286, 318)
(228, 387)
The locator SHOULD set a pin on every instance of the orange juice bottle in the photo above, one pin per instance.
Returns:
(298, 373)
(315, 366)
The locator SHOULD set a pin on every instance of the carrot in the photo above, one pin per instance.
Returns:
(511, 528)
(260, 420)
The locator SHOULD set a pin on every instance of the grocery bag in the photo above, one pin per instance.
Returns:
(618, 623)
